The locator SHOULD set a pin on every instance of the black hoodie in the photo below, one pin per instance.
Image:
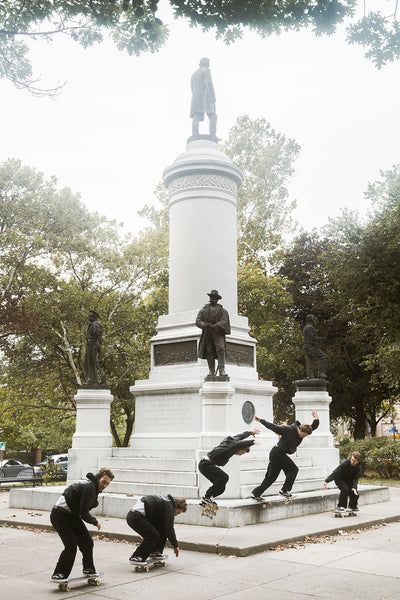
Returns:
(81, 497)
(228, 447)
(160, 512)
(290, 438)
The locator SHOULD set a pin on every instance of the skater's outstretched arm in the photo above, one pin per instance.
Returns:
(279, 429)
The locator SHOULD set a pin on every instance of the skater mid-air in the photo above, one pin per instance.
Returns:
(291, 437)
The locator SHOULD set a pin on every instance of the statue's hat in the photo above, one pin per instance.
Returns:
(214, 293)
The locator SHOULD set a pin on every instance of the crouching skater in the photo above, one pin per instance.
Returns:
(346, 477)
(67, 516)
(291, 437)
(209, 466)
(152, 517)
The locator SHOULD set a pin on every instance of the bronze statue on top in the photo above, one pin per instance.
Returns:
(312, 349)
(203, 99)
(94, 339)
(213, 319)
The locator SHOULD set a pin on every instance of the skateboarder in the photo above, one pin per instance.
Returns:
(209, 466)
(152, 517)
(67, 516)
(291, 437)
(346, 477)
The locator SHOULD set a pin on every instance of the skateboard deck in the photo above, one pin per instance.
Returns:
(145, 566)
(268, 501)
(347, 513)
(209, 510)
(90, 580)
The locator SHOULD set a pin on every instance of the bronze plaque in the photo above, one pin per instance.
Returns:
(240, 355)
(248, 412)
(175, 353)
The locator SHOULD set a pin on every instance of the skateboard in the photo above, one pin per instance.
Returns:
(90, 579)
(209, 510)
(145, 566)
(269, 501)
(347, 513)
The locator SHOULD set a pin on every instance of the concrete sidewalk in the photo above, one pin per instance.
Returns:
(237, 541)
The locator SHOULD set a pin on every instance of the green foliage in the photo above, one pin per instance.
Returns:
(134, 27)
(265, 158)
(381, 455)
(266, 303)
(134, 30)
(59, 261)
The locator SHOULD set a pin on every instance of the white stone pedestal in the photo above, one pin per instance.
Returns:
(92, 438)
(320, 444)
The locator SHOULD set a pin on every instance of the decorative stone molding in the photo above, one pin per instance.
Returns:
(202, 180)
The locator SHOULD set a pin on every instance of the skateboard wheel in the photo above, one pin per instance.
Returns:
(136, 569)
(97, 582)
(163, 564)
(147, 569)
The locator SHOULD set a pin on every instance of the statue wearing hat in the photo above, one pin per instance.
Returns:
(94, 339)
(213, 319)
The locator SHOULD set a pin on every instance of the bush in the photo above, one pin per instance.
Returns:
(375, 452)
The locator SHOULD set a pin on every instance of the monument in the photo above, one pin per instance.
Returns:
(92, 438)
(178, 412)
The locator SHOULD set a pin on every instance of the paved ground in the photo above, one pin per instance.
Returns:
(352, 564)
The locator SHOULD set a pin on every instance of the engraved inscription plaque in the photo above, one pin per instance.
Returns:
(175, 353)
(240, 355)
(248, 412)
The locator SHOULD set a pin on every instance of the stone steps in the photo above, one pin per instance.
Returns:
(305, 473)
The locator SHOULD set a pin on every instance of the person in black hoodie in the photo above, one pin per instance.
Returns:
(291, 437)
(209, 466)
(152, 517)
(67, 516)
(346, 477)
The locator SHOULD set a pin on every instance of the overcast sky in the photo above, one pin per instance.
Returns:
(120, 120)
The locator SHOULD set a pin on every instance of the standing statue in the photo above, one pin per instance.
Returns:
(94, 339)
(203, 98)
(312, 350)
(213, 319)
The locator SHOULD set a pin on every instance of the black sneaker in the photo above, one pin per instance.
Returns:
(204, 501)
(136, 559)
(212, 501)
(258, 498)
(285, 494)
(92, 572)
(157, 555)
(59, 577)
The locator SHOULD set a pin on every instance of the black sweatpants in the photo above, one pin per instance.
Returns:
(278, 460)
(217, 476)
(346, 492)
(153, 538)
(73, 534)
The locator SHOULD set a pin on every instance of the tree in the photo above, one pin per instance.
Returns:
(265, 158)
(370, 274)
(321, 282)
(134, 27)
(266, 302)
(60, 261)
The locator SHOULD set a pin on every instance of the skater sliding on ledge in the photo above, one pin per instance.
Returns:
(346, 477)
(209, 466)
(67, 516)
(291, 437)
(152, 517)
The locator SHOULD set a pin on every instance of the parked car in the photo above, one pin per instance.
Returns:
(56, 459)
(60, 461)
(13, 467)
